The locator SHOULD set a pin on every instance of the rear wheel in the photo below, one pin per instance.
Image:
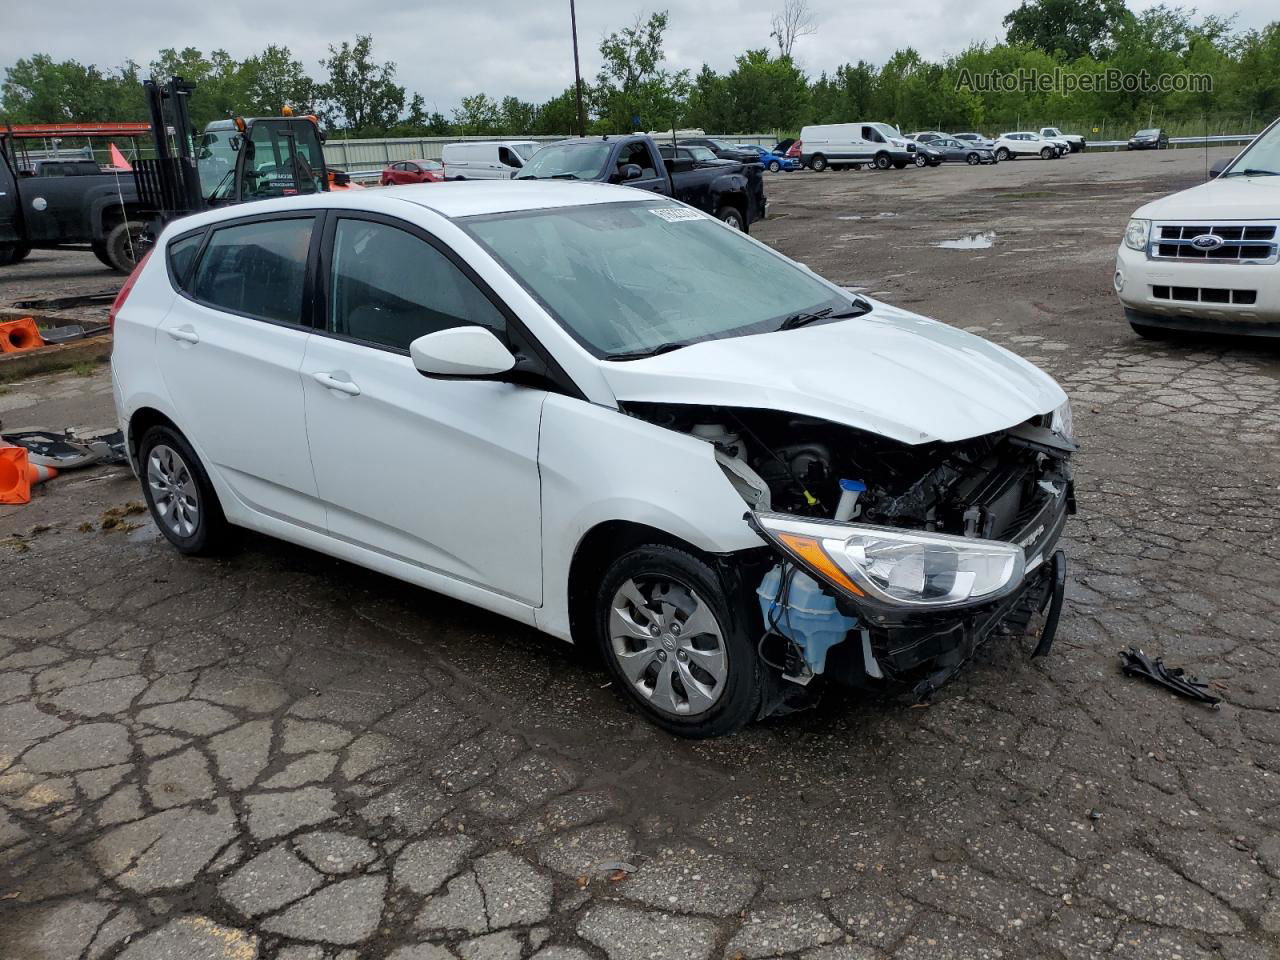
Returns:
(664, 628)
(857, 166)
(100, 251)
(182, 500)
(122, 246)
(818, 163)
(973, 159)
(1004, 154)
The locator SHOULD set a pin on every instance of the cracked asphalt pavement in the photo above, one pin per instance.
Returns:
(279, 755)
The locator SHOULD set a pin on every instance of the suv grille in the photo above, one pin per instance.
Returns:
(1205, 295)
(1233, 242)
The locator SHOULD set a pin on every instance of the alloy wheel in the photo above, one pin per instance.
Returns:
(175, 497)
(668, 644)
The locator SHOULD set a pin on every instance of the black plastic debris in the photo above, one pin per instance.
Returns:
(1135, 663)
(67, 449)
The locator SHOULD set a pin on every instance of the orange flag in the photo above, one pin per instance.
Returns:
(117, 159)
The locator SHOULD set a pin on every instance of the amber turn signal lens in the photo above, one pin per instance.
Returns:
(810, 551)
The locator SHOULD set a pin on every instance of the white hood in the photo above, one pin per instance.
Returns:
(890, 372)
(1232, 198)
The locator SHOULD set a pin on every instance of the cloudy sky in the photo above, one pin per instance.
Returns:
(449, 50)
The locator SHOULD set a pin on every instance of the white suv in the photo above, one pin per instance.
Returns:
(606, 415)
(1024, 143)
(1207, 259)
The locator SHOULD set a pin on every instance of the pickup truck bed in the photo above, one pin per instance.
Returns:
(733, 192)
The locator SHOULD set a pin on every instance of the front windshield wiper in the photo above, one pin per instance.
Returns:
(647, 351)
(826, 313)
(1252, 172)
(564, 176)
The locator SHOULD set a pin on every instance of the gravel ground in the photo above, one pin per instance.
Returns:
(279, 755)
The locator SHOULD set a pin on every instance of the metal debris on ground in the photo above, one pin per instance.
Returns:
(1135, 663)
(66, 449)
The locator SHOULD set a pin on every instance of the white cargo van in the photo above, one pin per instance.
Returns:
(840, 145)
(487, 160)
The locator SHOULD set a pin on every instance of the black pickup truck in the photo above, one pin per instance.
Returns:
(732, 192)
(55, 206)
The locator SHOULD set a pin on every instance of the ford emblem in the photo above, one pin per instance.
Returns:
(1207, 241)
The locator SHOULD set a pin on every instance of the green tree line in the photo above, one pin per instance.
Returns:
(767, 89)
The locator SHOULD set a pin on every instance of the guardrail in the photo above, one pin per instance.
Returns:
(1216, 140)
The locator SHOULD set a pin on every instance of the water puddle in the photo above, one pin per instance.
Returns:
(858, 216)
(970, 241)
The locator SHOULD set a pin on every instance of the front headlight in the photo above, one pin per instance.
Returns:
(1136, 234)
(900, 568)
(1063, 422)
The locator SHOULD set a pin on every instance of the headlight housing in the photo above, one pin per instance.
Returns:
(1136, 234)
(1063, 422)
(904, 569)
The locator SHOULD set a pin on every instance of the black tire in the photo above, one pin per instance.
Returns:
(8, 255)
(1047, 153)
(20, 253)
(100, 251)
(210, 532)
(857, 166)
(1003, 154)
(882, 161)
(732, 216)
(122, 246)
(818, 163)
(737, 694)
(774, 166)
(973, 160)
(900, 164)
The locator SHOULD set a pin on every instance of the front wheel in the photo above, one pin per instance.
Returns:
(882, 161)
(1148, 332)
(1046, 154)
(732, 216)
(973, 159)
(1003, 154)
(774, 166)
(179, 494)
(921, 161)
(818, 163)
(664, 628)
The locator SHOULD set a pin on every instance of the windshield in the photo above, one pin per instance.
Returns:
(701, 154)
(526, 150)
(215, 162)
(1145, 133)
(1261, 158)
(628, 277)
(1051, 132)
(572, 161)
(887, 130)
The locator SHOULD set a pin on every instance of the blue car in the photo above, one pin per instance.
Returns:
(772, 161)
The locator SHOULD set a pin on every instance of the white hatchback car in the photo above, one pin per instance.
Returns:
(609, 416)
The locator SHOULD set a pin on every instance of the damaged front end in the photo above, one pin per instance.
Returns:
(893, 562)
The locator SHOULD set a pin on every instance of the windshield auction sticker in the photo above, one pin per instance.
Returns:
(676, 214)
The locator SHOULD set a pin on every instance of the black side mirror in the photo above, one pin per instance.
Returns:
(630, 171)
(1216, 170)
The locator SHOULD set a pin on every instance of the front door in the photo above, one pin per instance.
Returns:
(442, 474)
(230, 352)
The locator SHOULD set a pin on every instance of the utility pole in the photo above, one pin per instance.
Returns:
(577, 69)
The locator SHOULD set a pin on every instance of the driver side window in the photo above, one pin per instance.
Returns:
(637, 153)
(389, 287)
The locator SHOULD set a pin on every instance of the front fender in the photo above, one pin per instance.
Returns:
(599, 465)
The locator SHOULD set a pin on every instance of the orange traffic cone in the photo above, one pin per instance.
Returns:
(19, 335)
(17, 476)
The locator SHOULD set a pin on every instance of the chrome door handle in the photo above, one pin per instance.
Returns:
(333, 383)
(186, 334)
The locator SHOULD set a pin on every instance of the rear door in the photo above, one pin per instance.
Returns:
(441, 474)
(10, 204)
(230, 351)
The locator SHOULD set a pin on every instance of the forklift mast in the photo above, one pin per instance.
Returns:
(233, 161)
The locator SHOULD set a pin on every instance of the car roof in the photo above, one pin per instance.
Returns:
(450, 199)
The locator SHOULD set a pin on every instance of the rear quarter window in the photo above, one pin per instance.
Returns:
(256, 269)
(182, 257)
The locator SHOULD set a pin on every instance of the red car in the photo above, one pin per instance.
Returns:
(413, 171)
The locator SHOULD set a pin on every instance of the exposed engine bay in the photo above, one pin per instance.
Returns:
(1012, 486)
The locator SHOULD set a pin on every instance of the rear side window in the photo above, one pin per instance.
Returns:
(256, 269)
(390, 287)
(182, 255)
